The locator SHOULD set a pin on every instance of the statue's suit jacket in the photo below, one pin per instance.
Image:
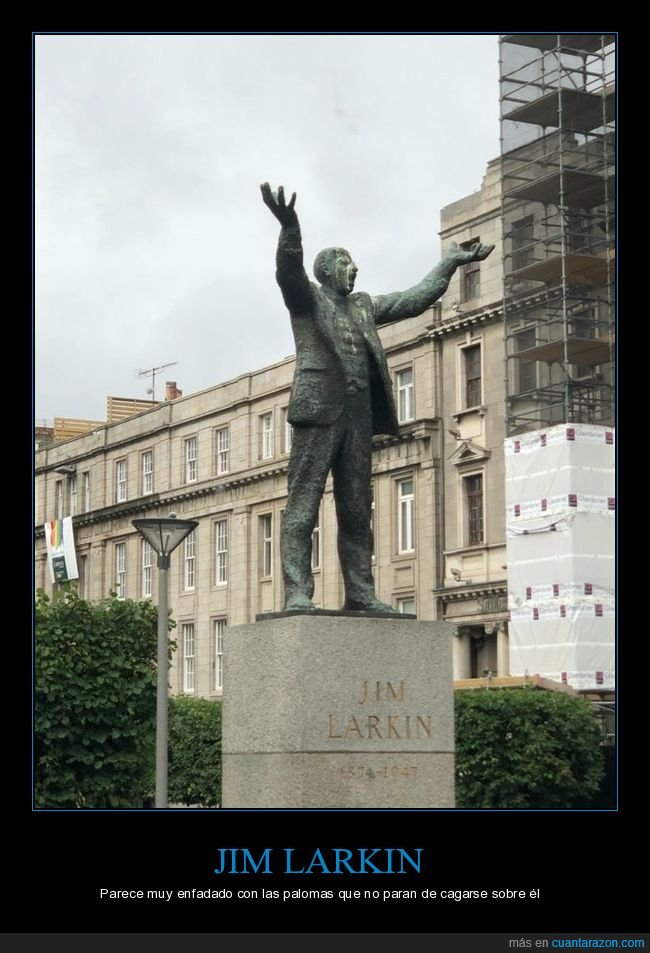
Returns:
(318, 393)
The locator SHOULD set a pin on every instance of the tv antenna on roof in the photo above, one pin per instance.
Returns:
(151, 372)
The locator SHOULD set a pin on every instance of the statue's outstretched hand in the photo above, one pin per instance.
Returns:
(476, 253)
(285, 214)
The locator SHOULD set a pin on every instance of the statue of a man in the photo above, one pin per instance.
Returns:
(341, 396)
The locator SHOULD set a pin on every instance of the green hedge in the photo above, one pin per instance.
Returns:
(194, 751)
(522, 748)
(95, 701)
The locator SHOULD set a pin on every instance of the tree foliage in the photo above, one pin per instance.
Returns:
(521, 748)
(194, 751)
(95, 701)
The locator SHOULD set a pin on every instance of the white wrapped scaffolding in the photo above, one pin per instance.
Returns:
(560, 519)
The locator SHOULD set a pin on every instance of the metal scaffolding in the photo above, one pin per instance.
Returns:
(557, 96)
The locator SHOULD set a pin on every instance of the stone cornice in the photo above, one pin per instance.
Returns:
(142, 504)
(466, 319)
(488, 215)
(421, 429)
(464, 593)
(468, 454)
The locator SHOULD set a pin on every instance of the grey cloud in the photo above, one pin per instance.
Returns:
(152, 241)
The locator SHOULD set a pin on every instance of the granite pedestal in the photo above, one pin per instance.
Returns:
(338, 712)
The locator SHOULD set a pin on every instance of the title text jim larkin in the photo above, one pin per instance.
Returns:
(322, 860)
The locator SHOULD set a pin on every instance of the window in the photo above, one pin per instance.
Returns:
(86, 492)
(120, 481)
(474, 508)
(223, 450)
(315, 546)
(189, 561)
(218, 627)
(405, 403)
(120, 570)
(187, 634)
(147, 472)
(147, 570)
(58, 493)
(527, 376)
(266, 536)
(470, 275)
(579, 229)
(406, 604)
(221, 552)
(372, 521)
(73, 495)
(190, 460)
(405, 525)
(287, 431)
(527, 369)
(472, 368)
(266, 436)
(523, 237)
(583, 325)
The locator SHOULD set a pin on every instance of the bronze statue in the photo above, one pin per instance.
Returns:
(341, 396)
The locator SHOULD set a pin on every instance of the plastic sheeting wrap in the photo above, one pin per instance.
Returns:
(560, 509)
(578, 550)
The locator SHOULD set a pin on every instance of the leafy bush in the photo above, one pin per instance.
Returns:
(95, 701)
(194, 751)
(521, 748)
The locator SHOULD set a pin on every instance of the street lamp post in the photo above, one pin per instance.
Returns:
(163, 535)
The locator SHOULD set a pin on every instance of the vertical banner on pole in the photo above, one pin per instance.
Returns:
(61, 555)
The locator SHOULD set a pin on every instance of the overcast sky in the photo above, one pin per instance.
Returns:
(152, 242)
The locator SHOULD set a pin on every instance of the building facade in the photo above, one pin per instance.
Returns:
(220, 457)
(472, 593)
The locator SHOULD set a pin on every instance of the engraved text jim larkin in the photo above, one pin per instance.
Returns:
(380, 727)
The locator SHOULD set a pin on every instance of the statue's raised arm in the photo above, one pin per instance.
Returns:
(290, 272)
(408, 304)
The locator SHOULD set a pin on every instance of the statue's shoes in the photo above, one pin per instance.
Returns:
(299, 604)
(370, 605)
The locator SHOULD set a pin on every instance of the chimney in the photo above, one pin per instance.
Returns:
(172, 391)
